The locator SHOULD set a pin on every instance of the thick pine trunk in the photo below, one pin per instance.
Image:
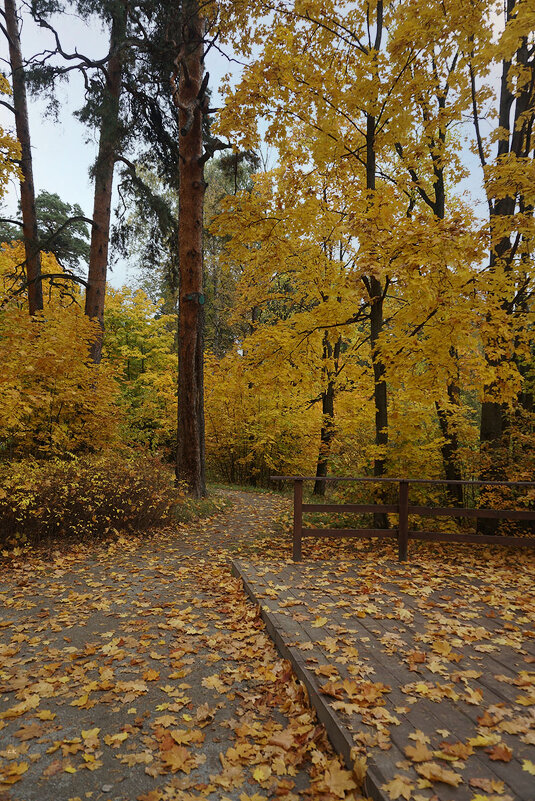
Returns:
(27, 190)
(190, 446)
(107, 155)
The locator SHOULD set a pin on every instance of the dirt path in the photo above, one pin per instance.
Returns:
(143, 672)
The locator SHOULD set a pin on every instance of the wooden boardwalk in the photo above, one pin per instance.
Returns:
(430, 676)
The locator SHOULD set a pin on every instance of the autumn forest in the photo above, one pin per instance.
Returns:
(323, 211)
(335, 258)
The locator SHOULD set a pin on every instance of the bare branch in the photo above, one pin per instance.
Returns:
(57, 232)
(85, 62)
(8, 105)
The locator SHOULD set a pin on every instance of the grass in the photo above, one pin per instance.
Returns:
(287, 489)
(196, 508)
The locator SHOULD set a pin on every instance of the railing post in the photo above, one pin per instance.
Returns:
(298, 519)
(403, 524)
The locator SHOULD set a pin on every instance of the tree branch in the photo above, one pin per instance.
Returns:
(8, 105)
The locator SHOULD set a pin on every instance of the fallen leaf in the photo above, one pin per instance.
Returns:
(500, 752)
(419, 752)
(436, 773)
(399, 787)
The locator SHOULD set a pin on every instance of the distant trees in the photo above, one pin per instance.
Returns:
(62, 229)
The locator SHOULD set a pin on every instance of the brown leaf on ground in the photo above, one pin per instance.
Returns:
(500, 752)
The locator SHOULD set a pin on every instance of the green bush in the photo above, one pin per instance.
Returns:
(86, 497)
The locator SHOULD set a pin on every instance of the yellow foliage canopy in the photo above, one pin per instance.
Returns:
(52, 400)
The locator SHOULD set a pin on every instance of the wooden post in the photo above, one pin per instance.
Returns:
(403, 524)
(298, 520)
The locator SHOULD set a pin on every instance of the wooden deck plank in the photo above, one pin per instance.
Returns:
(435, 715)
(292, 596)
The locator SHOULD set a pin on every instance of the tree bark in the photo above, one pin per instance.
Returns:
(107, 155)
(513, 118)
(27, 190)
(190, 446)
(376, 327)
(450, 447)
(327, 420)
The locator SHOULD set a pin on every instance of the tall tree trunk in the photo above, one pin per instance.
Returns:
(190, 100)
(107, 155)
(520, 144)
(27, 190)
(513, 117)
(436, 201)
(327, 409)
(452, 467)
(376, 292)
(449, 449)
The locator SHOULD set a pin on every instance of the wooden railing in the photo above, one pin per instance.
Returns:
(403, 509)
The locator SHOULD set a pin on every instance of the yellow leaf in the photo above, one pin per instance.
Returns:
(338, 780)
(419, 752)
(115, 739)
(45, 714)
(82, 701)
(399, 787)
(436, 773)
(89, 734)
(484, 739)
(12, 773)
(261, 773)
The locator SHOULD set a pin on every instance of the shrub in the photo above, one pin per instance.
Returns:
(85, 497)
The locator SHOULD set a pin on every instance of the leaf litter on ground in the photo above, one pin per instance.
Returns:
(141, 667)
(140, 670)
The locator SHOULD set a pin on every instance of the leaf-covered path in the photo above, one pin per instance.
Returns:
(425, 668)
(141, 671)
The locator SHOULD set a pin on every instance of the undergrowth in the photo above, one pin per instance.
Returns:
(84, 498)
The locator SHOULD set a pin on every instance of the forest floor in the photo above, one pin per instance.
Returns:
(140, 670)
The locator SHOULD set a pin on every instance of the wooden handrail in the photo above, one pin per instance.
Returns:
(404, 509)
(387, 479)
